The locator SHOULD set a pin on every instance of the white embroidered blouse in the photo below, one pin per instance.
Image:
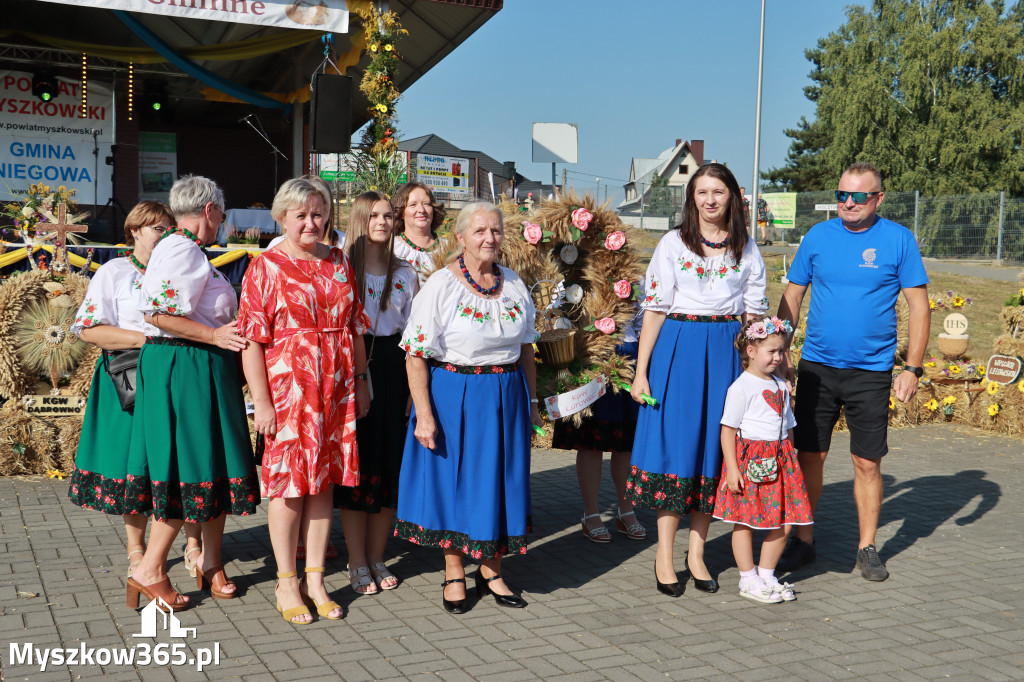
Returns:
(113, 298)
(179, 280)
(420, 259)
(449, 323)
(680, 281)
(405, 285)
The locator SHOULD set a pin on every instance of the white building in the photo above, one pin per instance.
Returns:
(676, 165)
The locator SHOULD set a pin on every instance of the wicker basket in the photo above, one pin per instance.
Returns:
(952, 346)
(557, 348)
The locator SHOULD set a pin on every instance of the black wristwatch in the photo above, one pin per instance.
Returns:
(362, 377)
(918, 371)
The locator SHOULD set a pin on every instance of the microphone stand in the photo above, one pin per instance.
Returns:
(275, 151)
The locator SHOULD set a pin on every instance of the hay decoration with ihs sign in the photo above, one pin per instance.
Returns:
(39, 355)
(575, 257)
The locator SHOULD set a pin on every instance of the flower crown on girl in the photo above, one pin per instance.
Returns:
(769, 325)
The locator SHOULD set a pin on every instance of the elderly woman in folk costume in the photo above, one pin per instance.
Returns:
(417, 219)
(306, 367)
(705, 276)
(388, 285)
(109, 317)
(190, 457)
(465, 484)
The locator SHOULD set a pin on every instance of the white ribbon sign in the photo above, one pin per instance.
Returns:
(565, 404)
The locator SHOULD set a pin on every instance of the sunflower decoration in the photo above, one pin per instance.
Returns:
(992, 388)
(994, 409)
(932, 405)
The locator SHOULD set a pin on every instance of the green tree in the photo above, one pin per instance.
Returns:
(931, 91)
(659, 200)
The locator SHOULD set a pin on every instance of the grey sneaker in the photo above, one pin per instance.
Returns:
(871, 567)
(796, 554)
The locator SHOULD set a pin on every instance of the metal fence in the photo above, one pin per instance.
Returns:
(955, 226)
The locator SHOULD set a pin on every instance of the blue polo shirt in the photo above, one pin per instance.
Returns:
(855, 279)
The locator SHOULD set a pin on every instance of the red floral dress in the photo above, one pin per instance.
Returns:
(306, 314)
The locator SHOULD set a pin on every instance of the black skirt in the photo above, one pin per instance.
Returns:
(381, 433)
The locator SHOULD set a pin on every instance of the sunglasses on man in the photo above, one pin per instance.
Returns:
(858, 197)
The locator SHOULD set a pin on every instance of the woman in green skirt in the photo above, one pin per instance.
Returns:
(191, 458)
(109, 317)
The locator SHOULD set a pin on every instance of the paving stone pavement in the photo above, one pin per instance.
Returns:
(952, 609)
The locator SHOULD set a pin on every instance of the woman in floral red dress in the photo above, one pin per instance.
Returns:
(301, 313)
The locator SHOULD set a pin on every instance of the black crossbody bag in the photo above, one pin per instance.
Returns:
(121, 366)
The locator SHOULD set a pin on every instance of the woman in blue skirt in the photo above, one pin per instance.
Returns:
(705, 276)
(465, 476)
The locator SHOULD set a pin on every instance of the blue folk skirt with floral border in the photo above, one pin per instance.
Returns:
(677, 452)
(472, 492)
(99, 480)
(190, 457)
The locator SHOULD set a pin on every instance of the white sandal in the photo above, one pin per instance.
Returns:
(600, 535)
(759, 592)
(633, 531)
(784, 590)
(361, 581)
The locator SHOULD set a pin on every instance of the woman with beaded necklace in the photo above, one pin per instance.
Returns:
(417, 218)
(705, 276)
(190, 458)
(465, 479)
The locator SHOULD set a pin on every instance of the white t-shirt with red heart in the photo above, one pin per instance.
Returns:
(757, 406)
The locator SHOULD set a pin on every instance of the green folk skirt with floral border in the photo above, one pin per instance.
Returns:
(101, 463)
(190, 457)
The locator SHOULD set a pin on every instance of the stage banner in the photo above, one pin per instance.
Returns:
(158, 165)
(316, 15)
(49, 142)
(781, 209)
(444, 175)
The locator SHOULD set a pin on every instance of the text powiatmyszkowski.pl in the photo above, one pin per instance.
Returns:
(164, 654)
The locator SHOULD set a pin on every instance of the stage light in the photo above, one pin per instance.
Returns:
(44, 86)
(156, 95)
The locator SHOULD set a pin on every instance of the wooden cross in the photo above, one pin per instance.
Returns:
(61, 226)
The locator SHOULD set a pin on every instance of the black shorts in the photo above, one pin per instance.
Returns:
(862, 393)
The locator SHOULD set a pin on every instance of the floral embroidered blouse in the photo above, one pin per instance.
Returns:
(449, 323)
(179, 280)
(420, 259)
(113, 298)
(405, 284)
(680, 281)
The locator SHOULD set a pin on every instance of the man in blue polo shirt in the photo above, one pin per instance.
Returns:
(858, 264)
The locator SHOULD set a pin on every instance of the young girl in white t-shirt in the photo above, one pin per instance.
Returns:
(762, 487)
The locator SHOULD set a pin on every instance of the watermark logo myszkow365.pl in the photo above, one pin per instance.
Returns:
(142, 654)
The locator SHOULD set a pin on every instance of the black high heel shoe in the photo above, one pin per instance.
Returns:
(671, 589)
(457, 606)
(710, 586)
(509, 600)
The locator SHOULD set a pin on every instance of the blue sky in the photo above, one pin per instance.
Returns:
(633, 74)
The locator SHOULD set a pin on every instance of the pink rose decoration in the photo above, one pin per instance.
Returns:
(615, 241)
(581, 218)
(622, 288)
(532, 232)
(605, 325)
